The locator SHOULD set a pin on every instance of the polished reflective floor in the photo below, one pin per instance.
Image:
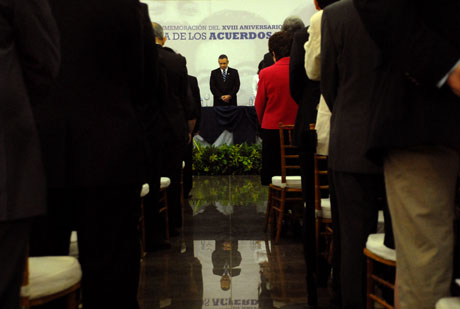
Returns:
(222, 258)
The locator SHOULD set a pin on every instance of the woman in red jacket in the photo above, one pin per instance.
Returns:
(274, 103)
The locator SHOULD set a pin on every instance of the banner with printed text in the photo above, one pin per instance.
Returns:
(201, 30)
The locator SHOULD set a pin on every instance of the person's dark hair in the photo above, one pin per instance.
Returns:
(292, 24)
(280, 43)
(158, 31)
(260, 67)
(223, 56)
(323, 3)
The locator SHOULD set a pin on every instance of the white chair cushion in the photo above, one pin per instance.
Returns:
(51, 274)
(293, 182)
(375, 245)
(326, 208)
(448, 303)
(145, 189)
(165, 182)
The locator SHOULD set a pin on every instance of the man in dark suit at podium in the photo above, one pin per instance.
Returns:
(224, 83)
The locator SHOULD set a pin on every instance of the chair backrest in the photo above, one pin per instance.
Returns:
(321, 181)
(321, 185)
(290, 158)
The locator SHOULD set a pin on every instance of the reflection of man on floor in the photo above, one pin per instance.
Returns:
(225, 259)
(224, 83)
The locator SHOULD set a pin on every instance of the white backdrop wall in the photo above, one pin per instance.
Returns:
(201, 30)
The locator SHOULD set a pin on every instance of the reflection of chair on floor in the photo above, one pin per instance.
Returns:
(283, 289)
(323, 216)
(164, 184)
(145, 190)
(284, 189)
(48, 278)
(377, 252)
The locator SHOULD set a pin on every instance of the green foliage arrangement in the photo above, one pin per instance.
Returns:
(240, 159)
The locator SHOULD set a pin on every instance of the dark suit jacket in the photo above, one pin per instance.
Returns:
(219, 88)
(304, 91)
(196, 101)
(419, 44)
(150, 86)
(175, 106)
(349, 61)
(29, 62)
(90, 129)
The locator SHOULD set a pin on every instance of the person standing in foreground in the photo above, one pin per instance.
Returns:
(29, 62)
(305, 93)
(348, 73)
(93, 144)
(274, 104)
(175, 124)
(196, 114)
(415, 133)
(290, 24)
(224, 83)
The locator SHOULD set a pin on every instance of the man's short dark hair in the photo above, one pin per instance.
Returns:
(292, 24)
(223, 56)
(323, 3)
(158, 31)
(280, 43)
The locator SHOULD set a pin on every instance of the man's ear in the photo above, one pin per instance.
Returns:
(163, 41)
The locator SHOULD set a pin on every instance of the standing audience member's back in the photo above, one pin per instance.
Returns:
(29, 62)
(93, 144)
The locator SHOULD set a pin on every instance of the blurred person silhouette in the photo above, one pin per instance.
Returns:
(29, 63)
(416, 117)
(175, 124)
(255, 79)
(347, 75)
(305, 93)
(93, 141)
(196, 115)
(274, 104)
(290, 24)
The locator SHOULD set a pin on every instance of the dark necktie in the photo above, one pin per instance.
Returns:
(224, 75)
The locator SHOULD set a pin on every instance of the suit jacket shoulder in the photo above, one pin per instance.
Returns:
(349, 69)
(29, 49)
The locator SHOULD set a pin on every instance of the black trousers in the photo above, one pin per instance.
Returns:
(271, 154)
(188, 172)
(171, 157)
(359, 198)
(13, 249)
(309, 244)
(106, 220)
